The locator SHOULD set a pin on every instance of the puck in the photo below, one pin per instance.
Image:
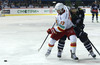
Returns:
(5, 60)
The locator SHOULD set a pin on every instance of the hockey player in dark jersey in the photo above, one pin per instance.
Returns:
(77, 19)
(0, 5)
(0, 8)
(94, 11)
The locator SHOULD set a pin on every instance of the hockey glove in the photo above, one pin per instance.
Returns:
(51, 31)
(82, 27)
(78, 21)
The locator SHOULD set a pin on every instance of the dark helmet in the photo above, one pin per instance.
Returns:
(74, 8)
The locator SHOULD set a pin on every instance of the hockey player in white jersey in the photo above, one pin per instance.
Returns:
(64, 26)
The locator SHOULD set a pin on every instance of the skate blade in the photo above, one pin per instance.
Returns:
(75, 60)
(46, 56)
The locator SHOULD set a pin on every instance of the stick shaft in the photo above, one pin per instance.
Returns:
(45, 39)
(95, 49)
(43, 42)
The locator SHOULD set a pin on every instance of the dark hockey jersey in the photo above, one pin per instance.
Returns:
(94, 8)
(0, 7)
(78, 18)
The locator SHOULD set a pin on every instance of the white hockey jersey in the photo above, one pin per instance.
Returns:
(63, 21)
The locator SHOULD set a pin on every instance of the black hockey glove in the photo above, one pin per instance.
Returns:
(79, 27)
(82, 27)
(78, 21)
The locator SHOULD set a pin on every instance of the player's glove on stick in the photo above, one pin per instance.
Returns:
(51, 31)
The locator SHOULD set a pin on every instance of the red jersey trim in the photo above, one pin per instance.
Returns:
(60, 29)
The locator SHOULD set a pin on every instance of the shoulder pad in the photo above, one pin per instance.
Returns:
(80, 9)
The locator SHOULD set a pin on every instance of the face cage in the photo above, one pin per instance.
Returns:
(74, 10)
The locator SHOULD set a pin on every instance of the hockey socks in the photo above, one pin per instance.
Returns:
(88, 46)
(73, 47)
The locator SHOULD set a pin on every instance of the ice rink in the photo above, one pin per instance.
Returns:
(22, 36)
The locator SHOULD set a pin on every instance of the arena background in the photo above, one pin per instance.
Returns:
(40, 7)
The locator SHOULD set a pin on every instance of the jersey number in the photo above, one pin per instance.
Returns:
(62, 23)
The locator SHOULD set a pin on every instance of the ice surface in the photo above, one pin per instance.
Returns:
(22, 36)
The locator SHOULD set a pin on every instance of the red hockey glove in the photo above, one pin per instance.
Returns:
(51, 31)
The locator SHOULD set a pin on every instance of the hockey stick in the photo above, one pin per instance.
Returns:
(44, 40)
(95, 49)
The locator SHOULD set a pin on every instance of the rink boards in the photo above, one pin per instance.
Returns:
(35, 11)
(37, 14)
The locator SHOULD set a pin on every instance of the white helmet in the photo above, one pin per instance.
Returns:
(59, 6)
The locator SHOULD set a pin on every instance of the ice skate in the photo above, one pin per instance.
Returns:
(73, 56)
(48, 53)
(92, 54)
(59, 53)
(97, 21)
(92, 21)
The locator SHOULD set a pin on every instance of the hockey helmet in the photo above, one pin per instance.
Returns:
(59, 6)
(74, 8)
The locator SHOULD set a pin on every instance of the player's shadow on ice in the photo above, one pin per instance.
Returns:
(83, 61)
(89, 60)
